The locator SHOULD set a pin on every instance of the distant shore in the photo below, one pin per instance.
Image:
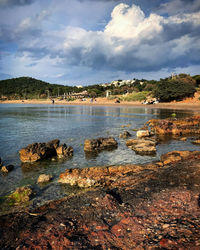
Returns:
(183, 105)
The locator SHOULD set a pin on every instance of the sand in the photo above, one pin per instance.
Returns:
(187, 104)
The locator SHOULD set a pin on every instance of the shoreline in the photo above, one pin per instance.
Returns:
(193, 106)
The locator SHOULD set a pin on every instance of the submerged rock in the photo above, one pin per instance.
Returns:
(21, 195)
(142, 146)
(124, 135)
(6, 169)
(44, 178)
(99, 144)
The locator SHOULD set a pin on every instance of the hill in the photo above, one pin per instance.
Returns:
(29, 88)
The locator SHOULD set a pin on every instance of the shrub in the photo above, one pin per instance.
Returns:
(136, 96)
(169, 90)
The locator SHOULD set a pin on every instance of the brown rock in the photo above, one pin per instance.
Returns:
(64, 151)
(6, 169)
(38, 151)
(21, 195)
(124, 135)
(44, 178)
(142, 133)
(142, 146)
(99, 144)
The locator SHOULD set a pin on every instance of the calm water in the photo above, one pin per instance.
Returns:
(22, 124)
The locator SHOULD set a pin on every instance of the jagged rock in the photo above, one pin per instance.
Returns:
(21, 195)
(142, 146)
(142, 133)
(99, 144)
(64, 151)
(124, 135)
(6, 169)
(44, 178)
(178, 127)
(39, 151)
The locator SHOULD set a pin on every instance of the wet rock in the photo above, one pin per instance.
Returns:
(99, 144)
(64, 151)
(21, 195)
(142, 133)
(39, 151)
(124, 135)
(178, 127)
(142, 146)
(176, 156)
(6, 169)
(197, 142)
(44, 178)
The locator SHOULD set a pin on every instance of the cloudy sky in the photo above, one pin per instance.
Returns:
(94, 41)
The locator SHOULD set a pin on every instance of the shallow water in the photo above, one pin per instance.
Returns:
(22, 124)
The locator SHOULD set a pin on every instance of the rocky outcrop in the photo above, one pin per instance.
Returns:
(95, 145)
(6, 169)
(142, 133)
(64, 151)
(39, 151)
(125, 135)
(106, 176)
(178, 127)
(43, 178)
(142, 146)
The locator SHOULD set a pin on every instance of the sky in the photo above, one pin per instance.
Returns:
(83, 42)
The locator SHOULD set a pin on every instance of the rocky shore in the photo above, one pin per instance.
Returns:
(150, 206)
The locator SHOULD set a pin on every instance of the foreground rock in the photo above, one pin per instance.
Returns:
(143, 207)
(39, 151)
(95, 145)
(105, 176)
(178, 127)
(142, 146)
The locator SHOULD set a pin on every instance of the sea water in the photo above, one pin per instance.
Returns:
(23, 124)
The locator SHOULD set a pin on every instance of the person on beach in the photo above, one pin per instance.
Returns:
(53, 101)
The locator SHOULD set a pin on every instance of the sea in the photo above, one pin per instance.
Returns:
(23, 124)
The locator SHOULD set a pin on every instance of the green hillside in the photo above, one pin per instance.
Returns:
(28, 88)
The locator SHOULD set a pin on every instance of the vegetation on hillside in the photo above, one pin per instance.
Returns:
(168, 89)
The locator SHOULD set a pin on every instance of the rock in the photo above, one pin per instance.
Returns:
(178, 127)
(21, 195)
(44, 178)
(142, 146)
(64, 151)
(1, 162)
(124, 135)
(196, 142)
(99, 144)
(39, 151)
(6, 169)
(183, 139)
(142, 133)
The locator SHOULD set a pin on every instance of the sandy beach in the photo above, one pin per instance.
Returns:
(187, 104)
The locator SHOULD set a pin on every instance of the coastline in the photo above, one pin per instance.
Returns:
(182, 105)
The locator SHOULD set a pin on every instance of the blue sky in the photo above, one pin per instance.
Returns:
(75, 42)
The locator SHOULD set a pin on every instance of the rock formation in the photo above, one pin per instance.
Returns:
(6, 169)
(178, 127)
(142, 146)
(142, 133)
(95, 145)
(124, 135)
(39, 151)
(44, 178)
